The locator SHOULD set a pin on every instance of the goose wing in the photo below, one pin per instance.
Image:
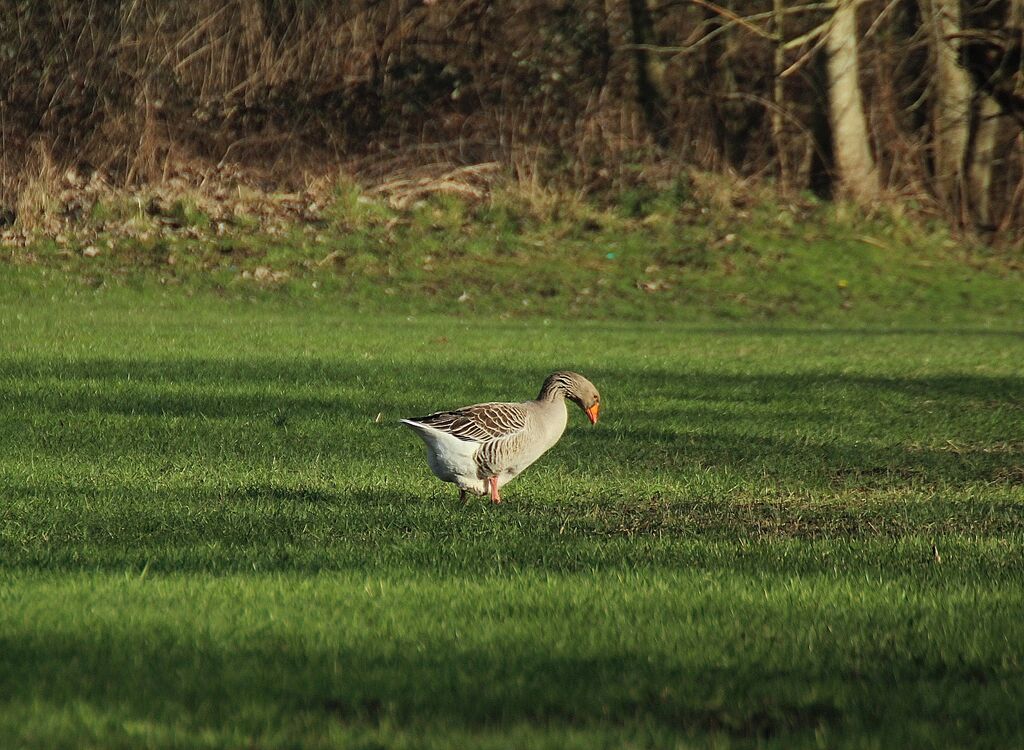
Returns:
(480, 423)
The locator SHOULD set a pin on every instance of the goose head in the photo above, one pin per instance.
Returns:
(576, 388)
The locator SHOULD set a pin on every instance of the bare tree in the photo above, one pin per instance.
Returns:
(993, 62)
(650, 68)
(778, 89)
(858, 176)
(951, 101)
(982, 158)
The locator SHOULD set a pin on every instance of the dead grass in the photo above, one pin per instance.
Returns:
(39, 203)
(472, 183)
(52, 202)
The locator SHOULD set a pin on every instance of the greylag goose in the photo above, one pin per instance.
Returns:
(482, 447)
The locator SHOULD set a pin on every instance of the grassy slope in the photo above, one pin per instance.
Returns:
(684, 254)
(207, 539)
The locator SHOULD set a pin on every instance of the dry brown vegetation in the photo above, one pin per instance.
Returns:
(276, 94)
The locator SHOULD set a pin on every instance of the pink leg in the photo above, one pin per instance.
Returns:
(493, 483)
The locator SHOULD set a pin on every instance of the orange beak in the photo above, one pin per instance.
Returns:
(592, 412)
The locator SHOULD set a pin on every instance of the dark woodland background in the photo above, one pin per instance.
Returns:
(595, 94)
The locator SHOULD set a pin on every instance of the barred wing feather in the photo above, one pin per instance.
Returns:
(480, 423)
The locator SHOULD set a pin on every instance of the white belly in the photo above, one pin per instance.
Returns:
(451, 459)
(453, 466)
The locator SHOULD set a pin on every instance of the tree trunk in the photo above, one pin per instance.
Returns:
(858, 178)
(650, 69)
(951, 104)
(982, 158)
(730, 113)
(779, 92)
(622, 85)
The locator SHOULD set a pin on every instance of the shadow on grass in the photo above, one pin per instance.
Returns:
(519, 382)
(162, 675)
(808, 429)
(277, 527)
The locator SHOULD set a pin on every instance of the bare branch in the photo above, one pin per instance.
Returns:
(880, 17)
(726, 13)
(734, 21)
(820, 30)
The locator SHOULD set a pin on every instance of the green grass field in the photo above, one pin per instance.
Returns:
(214, 533)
